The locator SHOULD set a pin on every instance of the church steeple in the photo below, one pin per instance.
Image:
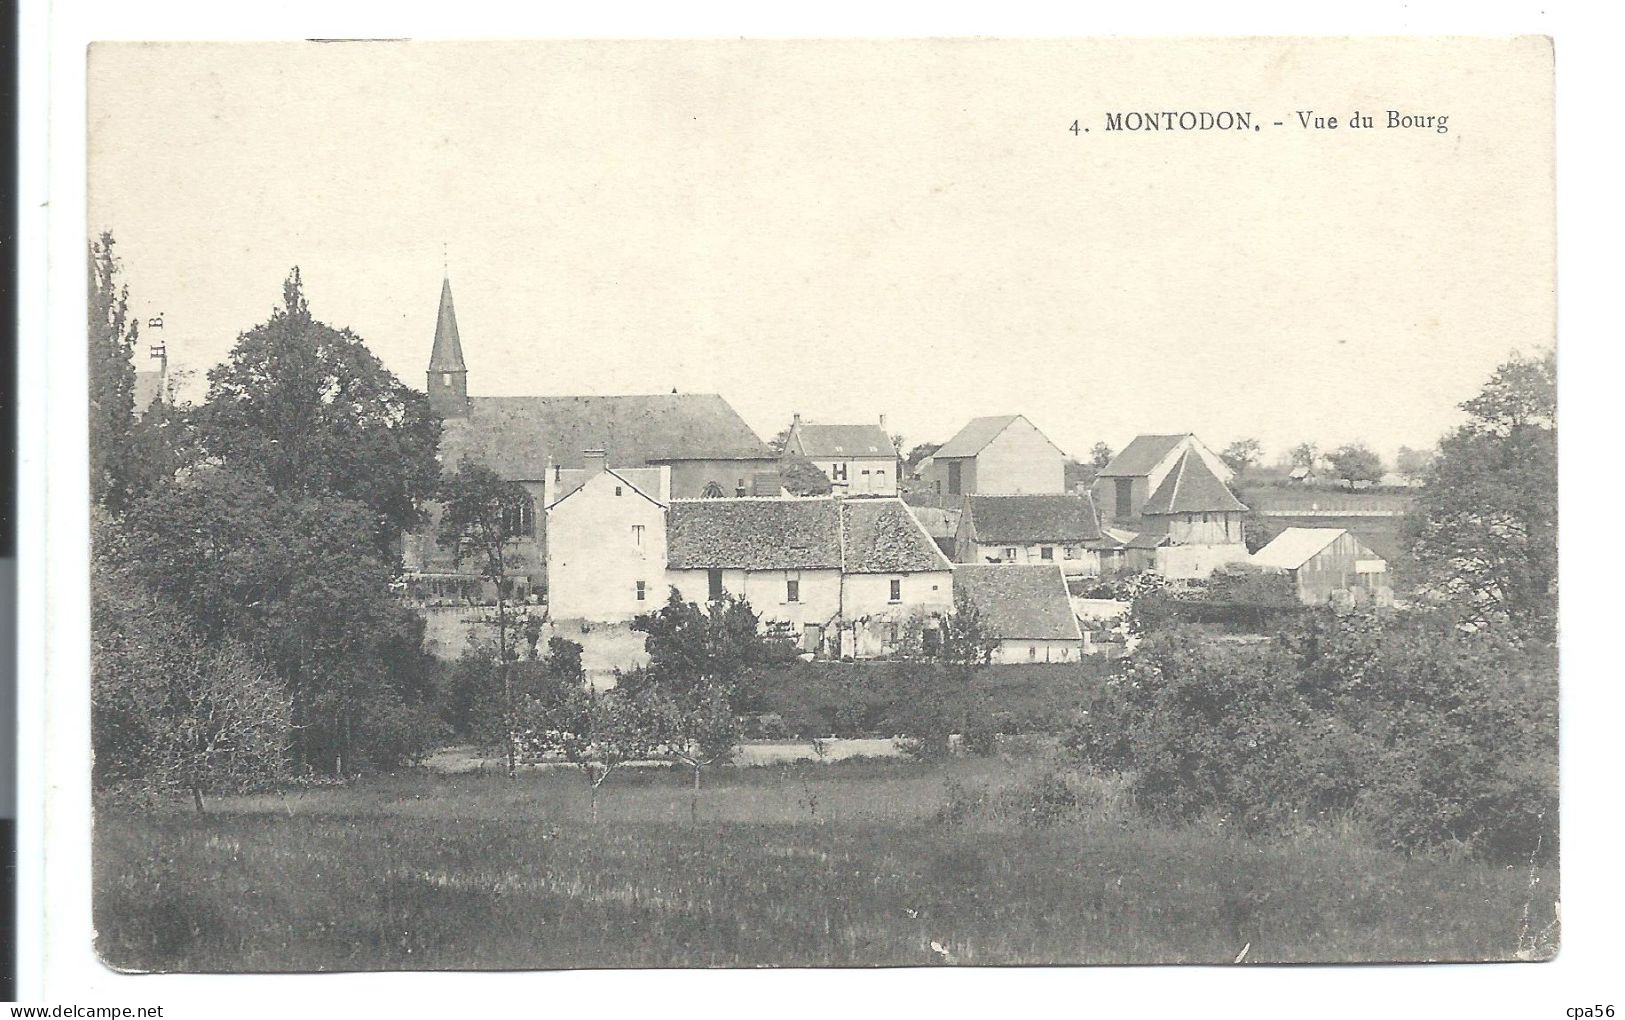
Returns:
(448, 376)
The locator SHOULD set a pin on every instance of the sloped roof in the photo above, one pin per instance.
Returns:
(820, 440)
(518, 437)
(968, 441)
(880, 536)
(859, 536)
(646, 480)
(1019, 601)
(753, 534)
(1034, 517)
(1294, 547)
(1192, 487)
(447, 355)
(1140, 457)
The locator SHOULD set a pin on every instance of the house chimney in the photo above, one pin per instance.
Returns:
(882, 421)
(795, 419)
(593, 461)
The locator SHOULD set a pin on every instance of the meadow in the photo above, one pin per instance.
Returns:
(857, 863)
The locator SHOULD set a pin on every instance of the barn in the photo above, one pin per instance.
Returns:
(1327, 565)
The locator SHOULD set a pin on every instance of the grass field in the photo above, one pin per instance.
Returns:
(860, 863)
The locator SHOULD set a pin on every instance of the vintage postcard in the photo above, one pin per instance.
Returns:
(822, 503)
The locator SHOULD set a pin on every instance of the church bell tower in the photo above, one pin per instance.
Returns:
(448, 376)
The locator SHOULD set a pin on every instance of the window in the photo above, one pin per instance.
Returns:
(1046, 552)
(955, 478)
(1032, 653)
(711, 491)
(1125, 497)
(792, 586)
(617, 490)
(637, 537)
(520, 518)
(932, 641)
(1204, 518)
(1009, 554)
(643, 589)
(891, 635)
(837, 471)
(1069, 553)
(445, 378)
(739, 487)
(897, 589)
(713, 581)
(936, 486)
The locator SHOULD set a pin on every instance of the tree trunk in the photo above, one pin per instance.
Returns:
(593, 797)
(197, 798)
(694, 798)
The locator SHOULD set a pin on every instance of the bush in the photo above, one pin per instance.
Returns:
(1432, 736)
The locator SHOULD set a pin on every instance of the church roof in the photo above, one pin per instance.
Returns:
(520, 437)
(448, 347)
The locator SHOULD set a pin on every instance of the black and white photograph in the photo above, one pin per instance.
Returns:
(747, 503)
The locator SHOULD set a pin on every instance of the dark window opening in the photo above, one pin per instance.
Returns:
(955, 478)
(1125, 497)
(713, 579)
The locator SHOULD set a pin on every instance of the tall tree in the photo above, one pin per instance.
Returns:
(1485, 529)
(481, 516)
(316, 412)
(112, 336)
(1356, 462)
(1413, 465)
(1242, 454)
(1100, 455)
(1304, 455)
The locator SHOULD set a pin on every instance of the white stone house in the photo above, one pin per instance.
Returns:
(841, 576)
(606, 548)
(858, 460)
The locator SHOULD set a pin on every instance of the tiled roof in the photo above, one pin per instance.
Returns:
(861, 536)
(882, 537)
(1192, 487)
(518, 437)
(1140, 457)
(753, 534)
(819, 440)
(1020, 601)
(968, 441)
(447, 355)
(1033, 517)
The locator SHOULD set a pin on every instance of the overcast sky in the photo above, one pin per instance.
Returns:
(852, 229)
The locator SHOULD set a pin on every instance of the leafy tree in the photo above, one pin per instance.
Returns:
(171, 712)
(1425, 735)
(697, 731)
(1100, 455)
(1356, 462)
(919, 453)
(780, 441)
(1304, 455)
(112, 336)
(1242, 454)
(563, 660)
(1485, 529)
(801, 476)
(481, 515)
(692, 651)
(1413, 465)
(314, 411)
(940, 704)
(596, 731)
(298, 581)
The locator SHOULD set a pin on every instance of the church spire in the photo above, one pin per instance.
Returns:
(448, 376)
